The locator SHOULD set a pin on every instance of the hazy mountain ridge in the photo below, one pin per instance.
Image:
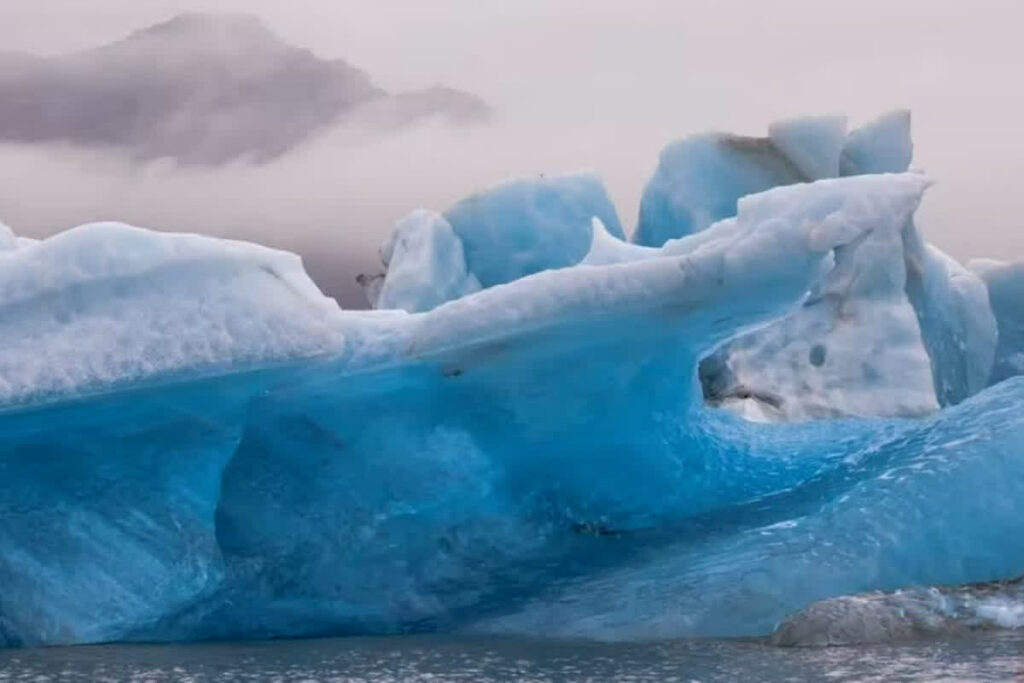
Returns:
(202, 89)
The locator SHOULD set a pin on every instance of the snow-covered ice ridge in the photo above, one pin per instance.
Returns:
(195, 443)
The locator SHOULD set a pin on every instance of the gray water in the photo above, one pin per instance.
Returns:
(980, 656)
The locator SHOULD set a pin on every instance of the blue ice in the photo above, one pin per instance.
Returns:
(196, 443)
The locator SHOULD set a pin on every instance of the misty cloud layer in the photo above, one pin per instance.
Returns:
(202, 89)
(578, 84)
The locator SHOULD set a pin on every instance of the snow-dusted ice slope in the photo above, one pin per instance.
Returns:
(195, 443)
(109, 304)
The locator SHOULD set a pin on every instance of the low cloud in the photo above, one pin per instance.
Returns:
(203, 89)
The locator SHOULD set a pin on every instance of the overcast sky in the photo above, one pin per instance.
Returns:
(577, 84)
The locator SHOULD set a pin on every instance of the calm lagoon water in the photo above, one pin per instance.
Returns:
(982, 656)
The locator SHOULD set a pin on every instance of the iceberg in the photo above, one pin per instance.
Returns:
(195, 443)
(904, 614)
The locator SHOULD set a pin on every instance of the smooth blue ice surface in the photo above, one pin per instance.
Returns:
(1005, 284)
(524, 226)
(700, 179)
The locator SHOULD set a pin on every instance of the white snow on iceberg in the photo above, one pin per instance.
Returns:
(107, 304)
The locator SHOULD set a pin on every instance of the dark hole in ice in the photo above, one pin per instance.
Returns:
(817, 355)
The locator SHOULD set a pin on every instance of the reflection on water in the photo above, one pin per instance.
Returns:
(995, 656)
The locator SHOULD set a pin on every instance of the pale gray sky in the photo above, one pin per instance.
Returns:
(577, 84)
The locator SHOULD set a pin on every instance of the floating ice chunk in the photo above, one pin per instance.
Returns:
(882, 146)
(107, 303)
(813, 144)
(425, 265)
(904, 614)
(700, 179)
(1005, 283)
(957, 325)
(524, 226)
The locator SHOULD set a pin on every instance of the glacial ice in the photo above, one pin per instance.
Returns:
(504, 233)
(853, 348)
(1005, 287)
(700, 179)
(813, 144)
(903, 614)
(107, 304)
(425, 265)
(195, 443)
(900, 507)
(882, 146)
(524, 226)
(957, 323)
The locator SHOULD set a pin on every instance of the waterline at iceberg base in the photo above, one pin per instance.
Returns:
(792, 398)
